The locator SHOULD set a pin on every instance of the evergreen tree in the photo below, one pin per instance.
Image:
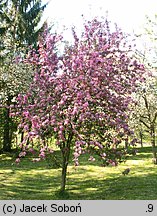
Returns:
(19, 28)
(22, 18)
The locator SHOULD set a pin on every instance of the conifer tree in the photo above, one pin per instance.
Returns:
(19, 29)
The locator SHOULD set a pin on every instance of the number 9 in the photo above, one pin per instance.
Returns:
(150, 207)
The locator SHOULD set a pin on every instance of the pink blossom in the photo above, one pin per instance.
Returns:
(81, 99)
(26, 114)
(32, 133)
(50, 150)
(99, 145)
(76, 154)
(61, 128)
(75, 110)
(17, 161)
(42, 155)
(113, 163)
(79, 150)
(91, 158)
(85, 105)
(22, 154)
(43, 149)
(26, 127)
(103, 155)
(32, 151)
(66, 122)
(61, 102)
(36, 159)
(76, 162)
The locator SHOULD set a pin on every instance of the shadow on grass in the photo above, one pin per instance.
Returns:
(44, 184)
(37, 181)
(143, 153)
(120, 188)
(27, 185)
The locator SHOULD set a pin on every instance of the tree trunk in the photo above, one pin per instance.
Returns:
(141, 138)
(153, 144)
(64, 172)
(126, 143)
(6, 129)
(66, 155)
(22, 136)
(65, 149)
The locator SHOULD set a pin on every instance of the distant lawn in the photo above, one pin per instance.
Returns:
(89, 181)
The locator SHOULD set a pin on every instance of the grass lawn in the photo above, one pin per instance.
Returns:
(39, 181)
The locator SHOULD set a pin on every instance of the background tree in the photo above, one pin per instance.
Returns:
(145, 111)
(20, 20)
(146, 38)
(82, 98)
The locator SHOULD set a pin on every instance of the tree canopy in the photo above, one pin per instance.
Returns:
(82, 97)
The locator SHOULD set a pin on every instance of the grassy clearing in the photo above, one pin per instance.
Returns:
(89, 181)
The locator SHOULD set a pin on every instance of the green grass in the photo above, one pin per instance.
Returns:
(89, 181)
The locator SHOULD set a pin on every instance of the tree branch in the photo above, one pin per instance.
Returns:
(155, 118)
(144, 123)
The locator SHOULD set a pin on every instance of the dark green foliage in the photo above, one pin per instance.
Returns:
(54, 160)
(20, 20)
(28, 16)
(19, 29)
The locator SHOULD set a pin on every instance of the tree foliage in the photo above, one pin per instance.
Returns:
(19, 29)
(145, 111)
(22, 18)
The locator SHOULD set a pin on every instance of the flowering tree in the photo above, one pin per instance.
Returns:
(81, 98)
(145, 112)
(15, 77)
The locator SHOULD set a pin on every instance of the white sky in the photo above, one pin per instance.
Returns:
(128, 14)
